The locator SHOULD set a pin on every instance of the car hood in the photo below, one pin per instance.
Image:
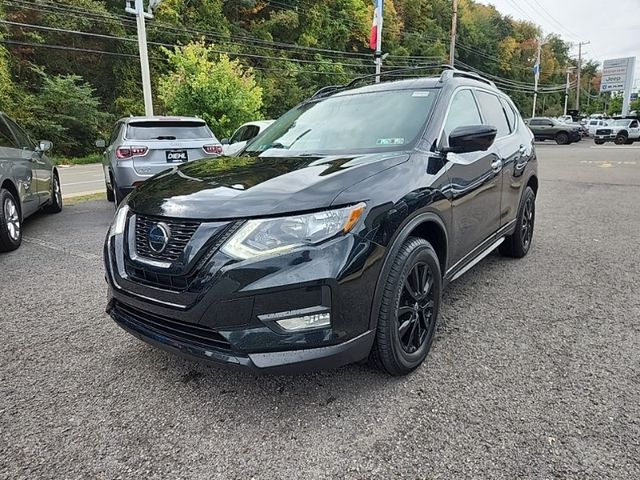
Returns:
(248, 186)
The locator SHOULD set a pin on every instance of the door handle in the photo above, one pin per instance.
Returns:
(522, 150)
(496, 165)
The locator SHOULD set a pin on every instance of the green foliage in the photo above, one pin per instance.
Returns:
(85, 160)
(222, 92)
(65, 111)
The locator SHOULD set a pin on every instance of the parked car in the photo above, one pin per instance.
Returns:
(623, 131)
(29, 181)
(330, 238)
(594, 124)
(565, 119)
(140, 147)
(544, 128)
(242, 135)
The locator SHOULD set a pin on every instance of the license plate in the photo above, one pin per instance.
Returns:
(177, 156)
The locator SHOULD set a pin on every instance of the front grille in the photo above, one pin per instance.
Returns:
(603, 131)
(183, 332)
(181, 233)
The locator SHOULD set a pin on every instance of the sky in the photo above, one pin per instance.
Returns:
(613, 32)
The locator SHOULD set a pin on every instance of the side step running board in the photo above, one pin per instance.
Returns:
(478, 259)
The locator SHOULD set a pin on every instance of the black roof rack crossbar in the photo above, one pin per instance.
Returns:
(448, 73)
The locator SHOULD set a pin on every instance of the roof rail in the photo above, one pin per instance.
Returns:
(451, 72)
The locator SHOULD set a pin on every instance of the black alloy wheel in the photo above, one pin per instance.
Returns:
(518, 244)
(110, 195)
(621, 139)
(409, 309)
(56, 196)
(562, 138)
(10, 222)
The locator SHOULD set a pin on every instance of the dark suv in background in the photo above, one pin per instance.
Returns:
(28, 181)
(551, 129)
(330, 238)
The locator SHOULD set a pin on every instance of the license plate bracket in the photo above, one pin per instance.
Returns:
(179, 156)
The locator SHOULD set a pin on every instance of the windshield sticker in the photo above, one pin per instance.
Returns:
(421, 93)
(390, 141)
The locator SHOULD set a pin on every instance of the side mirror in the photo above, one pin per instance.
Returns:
(472, 138)
(100, 143)
(44, 146)
(225, 141)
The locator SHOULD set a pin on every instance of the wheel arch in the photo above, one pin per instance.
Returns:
(9, 185)
(533, 183)
(428, 226)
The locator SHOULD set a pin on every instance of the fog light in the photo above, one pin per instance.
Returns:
(315, 320)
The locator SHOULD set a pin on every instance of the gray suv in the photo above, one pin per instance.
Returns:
(28, 181)
(140, 147)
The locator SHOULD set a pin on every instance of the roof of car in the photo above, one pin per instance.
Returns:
(160, 119)
(259, 123)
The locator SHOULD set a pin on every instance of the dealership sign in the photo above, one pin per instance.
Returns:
(617, 73)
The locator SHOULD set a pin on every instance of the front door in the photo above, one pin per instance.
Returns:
(476, 183)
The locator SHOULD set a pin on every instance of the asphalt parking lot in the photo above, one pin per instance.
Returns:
(535, 371)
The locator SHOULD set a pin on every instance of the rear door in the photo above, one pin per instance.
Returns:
(475, 182)
(168, 143)
(16, 163)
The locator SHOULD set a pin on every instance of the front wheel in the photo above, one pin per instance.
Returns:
(55, 206)
(409, 309)
(599, 142)
(518, 244)
(10, 222)
(562, 138)
(621, 139)
(110, 195)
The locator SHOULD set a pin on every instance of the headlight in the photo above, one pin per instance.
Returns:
(277, 235)
(119, 221)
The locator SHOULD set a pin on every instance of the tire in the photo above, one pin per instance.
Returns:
(56, 196)
(518, 244)
(621, 139)
(562, 138)
(110, 195)
(117, 195)
(10, 222)
(599, 142)
(409, 308)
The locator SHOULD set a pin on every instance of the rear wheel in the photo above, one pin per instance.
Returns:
(518, 244)
(599, 142)
(621, 139)
(56, 196)
(562, 138)
(409, 309)
(10, 222)
(110, 195)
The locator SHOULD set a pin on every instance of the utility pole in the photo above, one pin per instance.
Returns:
(536, 71)
(140, 14)
(580, 44)
(379, 20)
(568, 89)
(454, 30)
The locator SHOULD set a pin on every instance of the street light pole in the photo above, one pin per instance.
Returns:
(537, 77)
(378, 54)
(579, 74)
(140, 14)
(454, 30)
(566, 93)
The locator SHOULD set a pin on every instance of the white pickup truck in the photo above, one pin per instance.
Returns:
(622, 132)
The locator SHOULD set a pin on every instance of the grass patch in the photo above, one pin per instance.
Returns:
(84, 198)
(91, 158)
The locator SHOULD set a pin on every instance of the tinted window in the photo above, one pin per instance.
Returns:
(168, 131)
(512, 116)
(250, 132)
(237, 137)
(6, 139)
(21, 136)
(634, 124)
(115, 133)
(463, 112)
(376, 121)
(493, 113)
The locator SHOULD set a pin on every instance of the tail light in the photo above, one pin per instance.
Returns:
(122, 153)
(213, 149)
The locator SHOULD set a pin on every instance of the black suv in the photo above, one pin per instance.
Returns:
(551, 129)
(329, 239)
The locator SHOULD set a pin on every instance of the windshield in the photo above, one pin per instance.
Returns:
(620, 123)
(366, 122)
(168, 131)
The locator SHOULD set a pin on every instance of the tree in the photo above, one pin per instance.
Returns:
(222, 92)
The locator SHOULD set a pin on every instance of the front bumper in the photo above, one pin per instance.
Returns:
(279, 362)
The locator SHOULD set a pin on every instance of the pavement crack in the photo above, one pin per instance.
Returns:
(58, 248)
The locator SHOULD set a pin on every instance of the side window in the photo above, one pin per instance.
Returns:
(634, 124)
(6, 137)
(237, 137)
(534, 122)
(463, 112)
(493, 113)
(512, 117)
(114, 133)
(22, 138)
(250, 132)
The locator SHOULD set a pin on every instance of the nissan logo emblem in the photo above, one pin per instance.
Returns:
(159, 236)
